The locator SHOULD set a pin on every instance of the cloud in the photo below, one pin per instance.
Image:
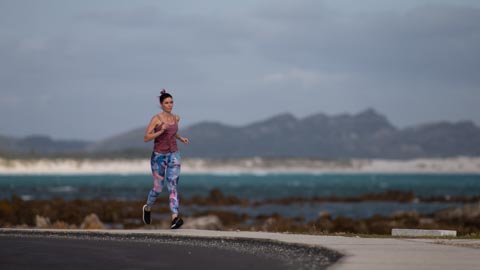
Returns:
(143, 16)
(94, 58)
(9, 101)
(427, 43)
(33, 44)
(305, 78)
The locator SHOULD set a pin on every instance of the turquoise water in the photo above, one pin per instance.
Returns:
(257, 187)
(244, 186)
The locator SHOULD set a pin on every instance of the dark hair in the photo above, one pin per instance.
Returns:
(164, 95)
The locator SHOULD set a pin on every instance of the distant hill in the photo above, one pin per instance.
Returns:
(363, 135)
(367, 134)
(40, 145)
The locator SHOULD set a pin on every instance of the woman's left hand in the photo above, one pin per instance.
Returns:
(184, 140)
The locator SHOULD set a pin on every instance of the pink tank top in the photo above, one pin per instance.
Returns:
(166, 142)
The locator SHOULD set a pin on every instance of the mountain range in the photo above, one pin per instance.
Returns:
(366, 134)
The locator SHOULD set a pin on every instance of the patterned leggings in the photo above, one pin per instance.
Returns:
(165, 166)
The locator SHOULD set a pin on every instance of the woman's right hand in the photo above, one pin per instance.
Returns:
(163, 126)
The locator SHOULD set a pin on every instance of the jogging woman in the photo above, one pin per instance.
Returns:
(165, 160)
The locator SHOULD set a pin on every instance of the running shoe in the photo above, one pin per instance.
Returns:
(176, 223)
(146, 215)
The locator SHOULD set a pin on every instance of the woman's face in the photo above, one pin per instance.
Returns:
(167, 104)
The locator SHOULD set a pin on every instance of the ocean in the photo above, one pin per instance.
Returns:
(256, 187)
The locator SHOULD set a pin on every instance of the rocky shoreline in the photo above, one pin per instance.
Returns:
(114, 214)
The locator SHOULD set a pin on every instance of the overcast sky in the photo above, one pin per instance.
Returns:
(92, 69)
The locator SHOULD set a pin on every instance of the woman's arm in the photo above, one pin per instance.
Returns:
(180, 138)
(149, 134)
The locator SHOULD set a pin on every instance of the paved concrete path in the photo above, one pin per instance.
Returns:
(47, 253)
(360, 253)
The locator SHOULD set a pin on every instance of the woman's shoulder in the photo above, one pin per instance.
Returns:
(156, 118)
(177, 117)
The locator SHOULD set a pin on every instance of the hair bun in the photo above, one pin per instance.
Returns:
(163, 92)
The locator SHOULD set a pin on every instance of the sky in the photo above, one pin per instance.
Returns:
(92, 69)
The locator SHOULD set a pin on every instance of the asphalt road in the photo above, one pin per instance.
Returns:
(43, 252)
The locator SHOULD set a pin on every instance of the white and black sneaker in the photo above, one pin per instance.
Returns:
(176, 223)
(146, 215)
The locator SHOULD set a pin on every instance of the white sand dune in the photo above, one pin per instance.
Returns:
(248, 165)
